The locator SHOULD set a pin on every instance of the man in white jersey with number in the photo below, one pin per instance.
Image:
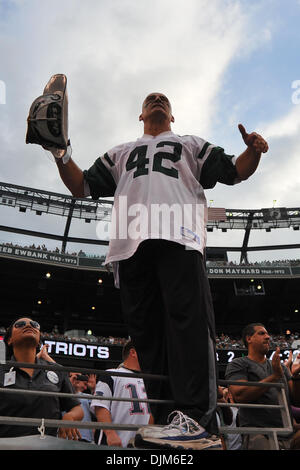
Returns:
(157, 245)
(121, 412)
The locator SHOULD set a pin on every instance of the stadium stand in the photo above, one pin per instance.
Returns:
(72, 294)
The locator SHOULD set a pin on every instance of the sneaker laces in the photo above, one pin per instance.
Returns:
(183, 422)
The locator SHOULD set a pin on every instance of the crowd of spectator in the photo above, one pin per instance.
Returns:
(56, 250)
(43, 248)
(87, 338)
(283, 341)
(81, 253)
(223, 341)
(263, 263)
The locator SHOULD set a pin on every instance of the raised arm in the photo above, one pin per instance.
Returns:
(97, 181)
(247, 162)
(72, 176)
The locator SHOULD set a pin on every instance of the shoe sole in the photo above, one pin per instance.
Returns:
(153, 443)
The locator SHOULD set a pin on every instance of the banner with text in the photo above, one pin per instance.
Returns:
(213, 270)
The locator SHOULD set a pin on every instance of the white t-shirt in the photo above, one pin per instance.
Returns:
(122, 412)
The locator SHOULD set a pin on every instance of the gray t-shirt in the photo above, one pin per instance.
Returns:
(251, 371)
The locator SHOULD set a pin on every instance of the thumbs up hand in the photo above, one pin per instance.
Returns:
(254, 140)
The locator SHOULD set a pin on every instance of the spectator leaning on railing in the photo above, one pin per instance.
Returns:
(22, 340)
(255, 367)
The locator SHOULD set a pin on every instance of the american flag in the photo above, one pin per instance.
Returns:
(216, 213)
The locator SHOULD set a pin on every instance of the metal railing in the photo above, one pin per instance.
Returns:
(272, 433)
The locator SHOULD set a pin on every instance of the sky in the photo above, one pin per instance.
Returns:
(220, 62)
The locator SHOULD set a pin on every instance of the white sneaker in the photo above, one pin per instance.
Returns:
(182, 433)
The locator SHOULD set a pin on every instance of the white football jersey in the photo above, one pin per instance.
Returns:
(158, 186)
(122, 412)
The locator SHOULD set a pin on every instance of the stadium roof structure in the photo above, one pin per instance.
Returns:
(40, 201)
(54, 203)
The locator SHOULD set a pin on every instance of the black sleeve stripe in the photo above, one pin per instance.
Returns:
(204, 148)
(108, 381)
(109, 161)
(218, 167)
(100, 180)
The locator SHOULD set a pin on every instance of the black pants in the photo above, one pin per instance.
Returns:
(167, 305)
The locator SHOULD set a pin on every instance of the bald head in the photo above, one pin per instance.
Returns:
(156, 106)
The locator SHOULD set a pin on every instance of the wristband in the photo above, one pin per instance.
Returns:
(66, 156)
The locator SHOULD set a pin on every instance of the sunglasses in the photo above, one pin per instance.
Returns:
(22, 323)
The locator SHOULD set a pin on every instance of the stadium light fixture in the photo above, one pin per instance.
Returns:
(39, 302)
(48, 275)
(259, 288)
(100, 280)
(93, 307)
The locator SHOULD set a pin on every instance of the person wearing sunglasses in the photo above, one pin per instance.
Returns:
(22, 340)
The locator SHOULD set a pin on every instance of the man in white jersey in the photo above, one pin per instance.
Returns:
(156, 246)
(121, 412)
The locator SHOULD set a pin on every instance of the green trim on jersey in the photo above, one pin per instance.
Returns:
(109, 161)
(218, 167)
(204, 148)
(100, 180)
